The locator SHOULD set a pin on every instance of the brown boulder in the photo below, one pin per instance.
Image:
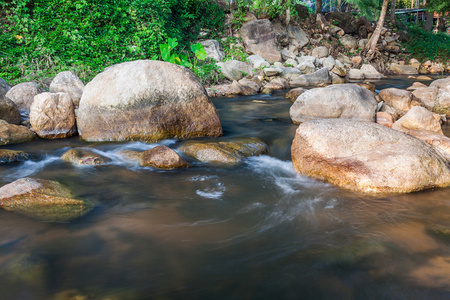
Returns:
(400, 100)
(14, 134)
(259, 38)
(41, 199)
(148, 101)
(162, 157)
(439, 142)
(367, 157)
(427, 96)
(294, 93)
(81, 156)
(418, 118)
(52, 116)
(385, 119)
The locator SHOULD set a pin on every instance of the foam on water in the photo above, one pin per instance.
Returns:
(30, 167)
(215, 192)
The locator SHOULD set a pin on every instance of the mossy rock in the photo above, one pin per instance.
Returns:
(80, 156)
(43, 200)
(7, 156)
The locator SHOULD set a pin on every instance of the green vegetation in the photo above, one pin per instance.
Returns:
(39, 38)
(425, 45)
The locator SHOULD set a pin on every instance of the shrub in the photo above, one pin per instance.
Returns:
(425, 45)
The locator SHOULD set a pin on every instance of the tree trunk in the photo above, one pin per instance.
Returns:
(318, 6)
(429, 21)
(394, 2)
(372, 43)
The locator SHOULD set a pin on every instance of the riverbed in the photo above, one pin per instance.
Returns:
(256, 230)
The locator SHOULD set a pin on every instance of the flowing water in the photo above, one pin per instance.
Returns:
(253, 231)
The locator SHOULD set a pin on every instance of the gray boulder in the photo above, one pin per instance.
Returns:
(318, 77)
(9, 111)
(213, 49)
(146, 100)
(370, 72)
(320, 52)
(418, 118)
(259, 38)
(344, 20)
(367, 157)
(68, 82)
(299, 38)
(348, 101)
(257, 61)
(349, 42)
(234, 69)
(4, 87)
(23, 94)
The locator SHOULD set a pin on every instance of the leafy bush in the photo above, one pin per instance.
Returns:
(88, 35)
(425, 45)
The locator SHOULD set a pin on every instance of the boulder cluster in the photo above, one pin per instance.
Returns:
(322, 50)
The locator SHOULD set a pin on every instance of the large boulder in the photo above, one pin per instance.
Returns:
(224, 152)
(52, 115)
(14, 134)
(41, 199)
(23, 94)
(348, 101)
(400, 100)
(259, 38)
(9, 111)
(4, 87)
(367, 157)
(318, 77)
(370, 72)
(148, 101)
(234, 69)
(427, 96)
(442, 104)
(349, 42)
(439, 142)
(344, 20)
(68, 82)
(213, 49)
(299, 38)
(418, 118)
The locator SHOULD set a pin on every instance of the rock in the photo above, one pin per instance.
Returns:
(293, 94)
(318, 77)
(259, 38)
(367, 85)
(346, 21)
(415, 63)
(339, 69)
(258, 62)
(416, 85)
(427, 96)
(344, 59)
(400, 100)
(309, 59)
(320, 52)
(291, 62)
(8, 156)
(423, 77)
(84, 157)
(357, 61)
(131, 155)
(355, 74)
(250, 87)
(362, 43)
(68, 82)
(226, 152)
(347, 101)
(439, 142)
(302, 11)
(162, 157)
(366, 157)
(443, 83)
(14, 134)
(225, 90)
(321, 21)
(336, 79)
(436, 69)
(370, 72)
(349, 42)
(213, 49)
(328, 62)
(402, 69)
(272, 71)
(385, 119)
(4, 87)
(9, 111)
(148, 101)
(290, 73)
(277, 83)
(298, 37)
(43, 200)
(52, 116)
(23, 94)
(234, 69)
(418, 118)
(306, 68)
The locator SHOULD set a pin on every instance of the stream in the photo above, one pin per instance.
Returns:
(256, 230)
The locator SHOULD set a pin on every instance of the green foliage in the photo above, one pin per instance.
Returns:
(425, 45)
(88, 35)
(233, 51)
(368, 8)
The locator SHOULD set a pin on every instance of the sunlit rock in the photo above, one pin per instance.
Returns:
(82, 156)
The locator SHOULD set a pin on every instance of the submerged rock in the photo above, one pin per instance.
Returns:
(348, 101)
(367, 157)
(14, 134)
(7, 156)
(148, 101)
(43, 200)
(81, 156)
(162, 157)
(226, 152)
